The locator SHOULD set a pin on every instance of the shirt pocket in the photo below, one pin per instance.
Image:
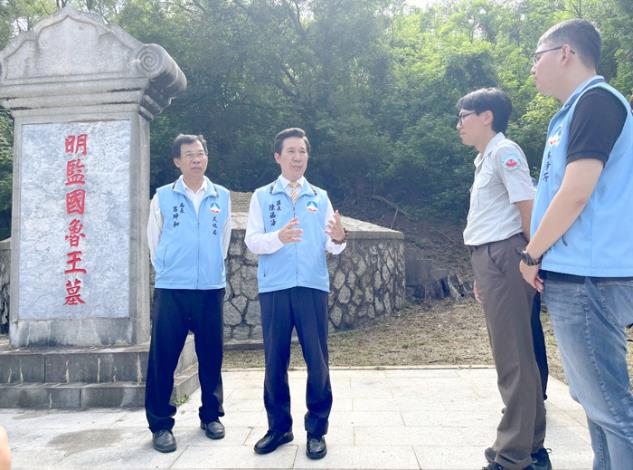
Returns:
(480, 193)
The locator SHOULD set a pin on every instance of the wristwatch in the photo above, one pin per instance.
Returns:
(527, 259)
(340, 242)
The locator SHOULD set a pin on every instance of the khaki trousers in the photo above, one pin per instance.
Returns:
(507, 302)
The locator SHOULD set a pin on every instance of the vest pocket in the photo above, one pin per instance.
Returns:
(163, 258)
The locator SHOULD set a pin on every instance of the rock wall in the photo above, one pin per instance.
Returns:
(5, 271)
(367, 280)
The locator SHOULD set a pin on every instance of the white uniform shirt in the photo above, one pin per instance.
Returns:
(155, 222)
(262, 243)
(502, 178)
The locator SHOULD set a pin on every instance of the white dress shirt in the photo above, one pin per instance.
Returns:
(265, 243)
(155, 221)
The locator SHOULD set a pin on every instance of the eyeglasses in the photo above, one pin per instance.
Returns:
(191, 155)
(538, 54)
(461, 117)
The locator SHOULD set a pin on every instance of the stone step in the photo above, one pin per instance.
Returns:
(81, 395)
(89, 365)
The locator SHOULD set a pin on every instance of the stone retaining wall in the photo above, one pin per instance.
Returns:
(5, 271)
(367, 280)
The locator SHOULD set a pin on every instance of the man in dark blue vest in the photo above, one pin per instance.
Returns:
(188, 232)
(581, 251)
(291, 224)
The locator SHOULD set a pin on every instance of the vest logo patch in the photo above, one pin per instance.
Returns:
(555, 138)
(510, 162)
(312, 206)
(215, 208)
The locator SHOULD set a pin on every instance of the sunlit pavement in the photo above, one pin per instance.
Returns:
(388, 418)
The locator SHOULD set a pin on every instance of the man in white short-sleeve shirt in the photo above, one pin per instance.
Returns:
(497, 229)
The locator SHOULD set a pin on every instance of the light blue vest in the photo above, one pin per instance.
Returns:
(295, 264)
(190, 254)
(600, 241)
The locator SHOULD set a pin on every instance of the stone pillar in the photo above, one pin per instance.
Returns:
(82, 94)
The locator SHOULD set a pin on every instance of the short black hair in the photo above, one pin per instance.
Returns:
(581, 35)
(489, 99)
(290, 132)
(184, 139)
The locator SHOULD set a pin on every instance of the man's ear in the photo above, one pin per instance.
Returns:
(277, 157)
(567, 53)
(177, 162)
(488, 116)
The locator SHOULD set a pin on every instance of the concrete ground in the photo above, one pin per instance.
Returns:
(395, 418)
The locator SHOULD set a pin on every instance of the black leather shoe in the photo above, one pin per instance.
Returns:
(272, 440)
(316, 447)
(164, 441)
(213, 429)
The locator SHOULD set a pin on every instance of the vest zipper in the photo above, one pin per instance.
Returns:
(198, 242)
(294, 214)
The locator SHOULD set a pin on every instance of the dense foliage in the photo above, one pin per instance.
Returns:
(374, 83)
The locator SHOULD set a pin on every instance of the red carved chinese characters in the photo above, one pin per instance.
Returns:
(77, 147)
(74, 259)
(72, 289)
(75, 172)
(76, 144)
(75, 202)
(75, 233)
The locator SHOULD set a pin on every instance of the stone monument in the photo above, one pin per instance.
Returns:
(82, 94)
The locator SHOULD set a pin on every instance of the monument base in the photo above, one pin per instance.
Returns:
(78, 378)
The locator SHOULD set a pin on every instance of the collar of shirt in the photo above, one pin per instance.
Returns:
(202, 188)
(489, 148)
(285, 182)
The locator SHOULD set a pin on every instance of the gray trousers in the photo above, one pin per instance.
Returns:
(507, 302)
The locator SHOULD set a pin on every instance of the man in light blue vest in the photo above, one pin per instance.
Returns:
(188, 231)
(291, 224)
(581, 251)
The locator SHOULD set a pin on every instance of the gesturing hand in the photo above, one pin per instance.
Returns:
(335, 228)
(290, 233)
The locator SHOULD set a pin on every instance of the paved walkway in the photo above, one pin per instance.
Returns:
(407, 418)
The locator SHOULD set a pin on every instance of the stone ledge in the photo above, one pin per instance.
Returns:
(89, 365)
(81, 395)
(356, 229)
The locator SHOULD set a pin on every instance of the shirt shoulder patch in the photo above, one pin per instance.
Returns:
(510, 162)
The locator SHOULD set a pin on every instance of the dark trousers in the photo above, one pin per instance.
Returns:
(175, 313)
(507, 301)
(306, 310)
(538, 341)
